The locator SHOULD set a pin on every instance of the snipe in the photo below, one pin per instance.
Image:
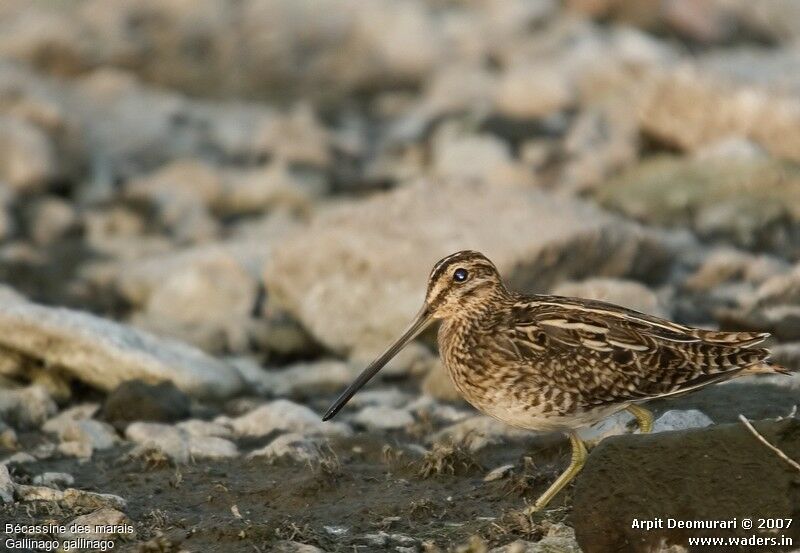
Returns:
(552, 363)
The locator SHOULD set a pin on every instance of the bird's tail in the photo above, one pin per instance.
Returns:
(767, 367)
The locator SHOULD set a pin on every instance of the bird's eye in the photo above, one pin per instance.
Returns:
(460, 275)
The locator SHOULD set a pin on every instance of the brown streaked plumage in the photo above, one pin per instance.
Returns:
(542, 362)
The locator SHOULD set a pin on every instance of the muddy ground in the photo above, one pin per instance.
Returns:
(366, 485)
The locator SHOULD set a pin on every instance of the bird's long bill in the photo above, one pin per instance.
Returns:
(421, 321)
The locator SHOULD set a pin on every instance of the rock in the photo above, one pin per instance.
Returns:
(559, 538)
(81, 438)
(727, 265)
(289, 447)
(70, 497)
(295, 547)
(498, 473)
(381, 397)
(106, 518)
(178, 444)
(626, 293)
(27, 159)
(104, 354)
(178, 195)
(379, 281)
(369, 47)
(135, 400)
(276, 187)
(600, 143)
(751, 204)
(200, 428)
(774, 307)
(8, 437)
(54, 479)
(303, 380)
(681, 420)
(481, 158)
(204, 294)
(169, 440)
(477, 432)
(211, 447)
(682, 465)
(18, 459)
(6, 485)
(414, 359)
(287, 416)
(67, 417)
(533, 90)
(51, 219)
(27, 407)
(383, 418)
(689, 110)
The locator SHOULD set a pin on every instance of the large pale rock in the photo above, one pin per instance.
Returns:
(104, 354)
(688, 110)
(754, 204)
(356, 277)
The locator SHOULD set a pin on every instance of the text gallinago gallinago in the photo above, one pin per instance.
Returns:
(547, 363)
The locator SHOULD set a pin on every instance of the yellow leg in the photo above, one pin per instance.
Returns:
(643, 417)
(578, 460)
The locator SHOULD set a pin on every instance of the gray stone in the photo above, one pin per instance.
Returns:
(383, 418)
(287, 416)
(178, 444)
(289, 447)
(774, 307)
(200, 428)
(81, 438)
(302, 380)
(27, 407)
(689, 109)
(379, 281)
(498, 473)
(681, 420)
(104, 354)
(70, 497)
(54, 479)
(67, 417)
(6, 485)
(18, 459)
(135, 400)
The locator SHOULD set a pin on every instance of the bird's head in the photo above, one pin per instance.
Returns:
(458, 284)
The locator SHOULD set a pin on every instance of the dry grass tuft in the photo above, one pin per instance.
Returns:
(447, 459)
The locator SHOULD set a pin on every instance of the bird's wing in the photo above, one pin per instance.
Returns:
(609, 354)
